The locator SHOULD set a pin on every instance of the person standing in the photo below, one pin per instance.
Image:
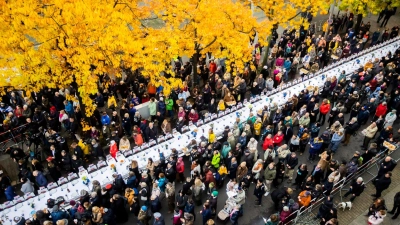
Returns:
(357, 187)
(291, 162)
(269, 176)
(396, 206)
(324, 110)
(259, 191)
(369, 134)
(205, 213)
(382, 184)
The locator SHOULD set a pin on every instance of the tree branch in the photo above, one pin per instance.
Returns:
(209, 44)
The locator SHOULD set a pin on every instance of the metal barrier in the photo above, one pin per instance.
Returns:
(14, 137)
(339, 186)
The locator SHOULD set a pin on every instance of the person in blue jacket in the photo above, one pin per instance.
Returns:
(40, 178)
(105, 119)
(9, 192)
(287, 65)
(335, 141)
(162, 107)
(57, 214)
(131, 182)
(315, 146)
(205, 213)
(69, 108)
(161, 182)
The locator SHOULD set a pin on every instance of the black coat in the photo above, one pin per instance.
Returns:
(357, 188)
(279, 194)
(118, 207)
(386, 167)
(383, 183)
(396, 201)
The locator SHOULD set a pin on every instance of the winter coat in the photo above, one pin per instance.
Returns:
(41, 180)
(216, 159)
(269, 174)
(324, 108)
(370, 131)
(315, 146)
(380, 110)
(10, 193)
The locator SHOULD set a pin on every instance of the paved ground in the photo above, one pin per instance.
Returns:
(362, 204)
(253, 215)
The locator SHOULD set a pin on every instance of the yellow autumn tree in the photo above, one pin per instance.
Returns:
(362, 7)
(55, 43)
(286, 13)
(196, 27)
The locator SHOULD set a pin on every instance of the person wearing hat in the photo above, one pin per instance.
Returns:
(304, 198)
(74, 208)
(19, 220)
(213, 200)
(143, 216)
(158, 219)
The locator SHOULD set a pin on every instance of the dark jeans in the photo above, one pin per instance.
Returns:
(396, 210)
(321, 116)
(352, 196)
(366, 142)
(379, 192)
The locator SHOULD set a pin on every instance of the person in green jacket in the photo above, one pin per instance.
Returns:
(170, 104)
(216, 159)
(226, 148)
(252, 118)
(153, 108)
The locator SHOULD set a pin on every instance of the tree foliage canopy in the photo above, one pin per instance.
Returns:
(55, 43)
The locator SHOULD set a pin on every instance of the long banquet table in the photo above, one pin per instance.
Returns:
(71, 187)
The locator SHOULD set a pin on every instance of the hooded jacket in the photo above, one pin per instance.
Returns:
(324, 108)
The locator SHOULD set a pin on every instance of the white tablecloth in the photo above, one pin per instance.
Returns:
(72, 189)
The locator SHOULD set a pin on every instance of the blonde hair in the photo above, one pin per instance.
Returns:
(134, 164)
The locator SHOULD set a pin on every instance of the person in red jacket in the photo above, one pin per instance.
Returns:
(213, 66)
(380, 111)
(324, 109)
(180, 169)
(113, 149)
(278, 138)
(193, 116)
(267, 142)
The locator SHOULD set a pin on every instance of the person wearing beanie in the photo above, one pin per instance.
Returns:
(158, 219)
(213, 200)
(143, 216)
(304, 198)
(73, 209)
(284, 214)
(19, 220)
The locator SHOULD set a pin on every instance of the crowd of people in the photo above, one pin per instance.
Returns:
(263, 149)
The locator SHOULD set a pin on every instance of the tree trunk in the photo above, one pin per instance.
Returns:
(265, 58)
(195, 59)
(359, 20)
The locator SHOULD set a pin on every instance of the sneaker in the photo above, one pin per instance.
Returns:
(266, 194)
